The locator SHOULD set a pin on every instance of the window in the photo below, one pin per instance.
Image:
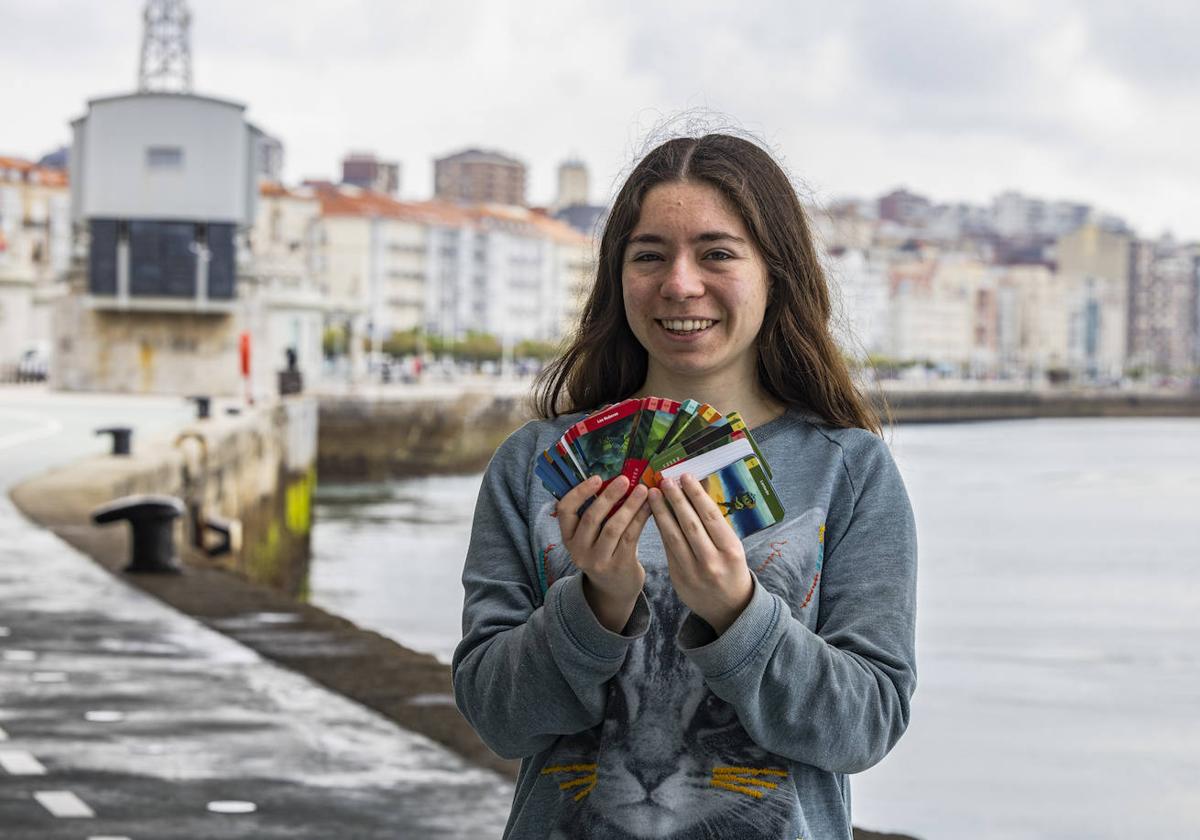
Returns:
(164, 157)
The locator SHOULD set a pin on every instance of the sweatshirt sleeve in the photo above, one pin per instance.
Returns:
(527, 672)
(837, 698)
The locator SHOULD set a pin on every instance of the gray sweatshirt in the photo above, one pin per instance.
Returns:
(666, 730)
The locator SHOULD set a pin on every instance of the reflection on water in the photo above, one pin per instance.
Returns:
(389, 557)
(1058, 622)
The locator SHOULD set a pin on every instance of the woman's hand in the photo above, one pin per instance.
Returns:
(704, 556)
(606, 552)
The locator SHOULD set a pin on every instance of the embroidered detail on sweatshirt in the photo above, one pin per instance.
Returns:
(820, 562)
(776, 554)
(745, 780)
(545, 576)
(587, 781)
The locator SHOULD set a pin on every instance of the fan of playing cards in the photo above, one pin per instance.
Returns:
(651, 438)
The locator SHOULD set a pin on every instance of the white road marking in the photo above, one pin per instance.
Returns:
(49, 677)
(19, 656)
(232, 806)
(104, 716)
(4, 632)
(47, 428)
(3, 734)
(63, 803)
(274, 617)
(21, 763)
(106, 837)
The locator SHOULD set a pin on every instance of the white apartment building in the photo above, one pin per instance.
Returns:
(279, 288)
(934, 311)
(388, 266)
(35, 252)
(373, 258)
(514, 273)
(860, 291)
(1034, 315)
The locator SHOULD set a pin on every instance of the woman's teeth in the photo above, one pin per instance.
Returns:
(687, 326)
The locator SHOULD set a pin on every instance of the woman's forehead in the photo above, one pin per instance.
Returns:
(686, 209)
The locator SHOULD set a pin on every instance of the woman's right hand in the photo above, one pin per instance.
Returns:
(606, 552)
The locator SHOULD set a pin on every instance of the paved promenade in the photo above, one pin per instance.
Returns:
(123, 718)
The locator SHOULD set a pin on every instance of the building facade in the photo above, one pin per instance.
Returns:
(573, 188)
(164, 190)
(1164, 284)
(1095, 262)
(35, 251)
(476, 176)
(363, 169)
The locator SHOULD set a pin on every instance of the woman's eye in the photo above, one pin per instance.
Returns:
(719, 256)
(647, 257)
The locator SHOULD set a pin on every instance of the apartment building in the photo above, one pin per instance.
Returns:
(451, 269)
(477, 176)
(1164, 300)
(1033, 315)
(514, 273)
(35, 252)
(1096, 261)
(940, 309)
(279, 285)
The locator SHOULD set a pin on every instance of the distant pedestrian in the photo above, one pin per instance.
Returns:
(656, 676)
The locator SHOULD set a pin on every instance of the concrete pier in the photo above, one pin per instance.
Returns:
(121, 716)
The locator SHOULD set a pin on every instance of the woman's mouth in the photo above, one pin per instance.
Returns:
(685, 326)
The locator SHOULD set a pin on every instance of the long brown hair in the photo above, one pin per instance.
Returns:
(799, 363)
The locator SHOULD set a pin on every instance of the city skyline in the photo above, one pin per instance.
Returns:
(1086, 103)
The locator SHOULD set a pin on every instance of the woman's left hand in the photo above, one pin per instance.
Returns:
(705, 558)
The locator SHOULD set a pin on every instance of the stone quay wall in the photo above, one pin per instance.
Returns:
(938, 406)
(256, 470)
(381, 436)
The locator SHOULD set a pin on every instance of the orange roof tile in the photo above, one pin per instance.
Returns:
(273, 189)
(337, 200)
(45, 175)
(16, 163)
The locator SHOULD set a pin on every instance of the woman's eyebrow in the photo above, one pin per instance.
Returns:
(707, 236)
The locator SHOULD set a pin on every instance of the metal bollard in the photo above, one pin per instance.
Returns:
(121, 438)
(152, 520)
(202, 406)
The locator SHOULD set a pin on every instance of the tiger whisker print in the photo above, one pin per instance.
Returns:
(589, 779)
(740, 779)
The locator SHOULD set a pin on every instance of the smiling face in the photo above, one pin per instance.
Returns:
(695, 291)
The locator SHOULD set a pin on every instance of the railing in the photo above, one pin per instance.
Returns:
(15, 374)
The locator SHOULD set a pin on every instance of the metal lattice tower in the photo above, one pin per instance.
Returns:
(166, 64)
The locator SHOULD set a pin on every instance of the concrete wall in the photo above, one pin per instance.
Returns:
(370, 439)
(257, 469)
(374, 438)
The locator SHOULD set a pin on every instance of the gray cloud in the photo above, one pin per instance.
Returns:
(1089, 100)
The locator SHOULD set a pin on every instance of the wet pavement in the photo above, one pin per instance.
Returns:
(121, 717)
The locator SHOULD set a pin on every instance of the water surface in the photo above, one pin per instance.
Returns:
(1058, 622)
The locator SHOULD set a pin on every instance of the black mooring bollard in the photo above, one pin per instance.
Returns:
(152, 520)
(121, 437)
(202, 406)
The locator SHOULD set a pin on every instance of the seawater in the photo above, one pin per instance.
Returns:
(1058, 622)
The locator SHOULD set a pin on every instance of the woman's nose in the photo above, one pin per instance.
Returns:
(683, 281)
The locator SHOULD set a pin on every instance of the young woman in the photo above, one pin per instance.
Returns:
(669, 680)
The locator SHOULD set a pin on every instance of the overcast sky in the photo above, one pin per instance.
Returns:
(1089, 100)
